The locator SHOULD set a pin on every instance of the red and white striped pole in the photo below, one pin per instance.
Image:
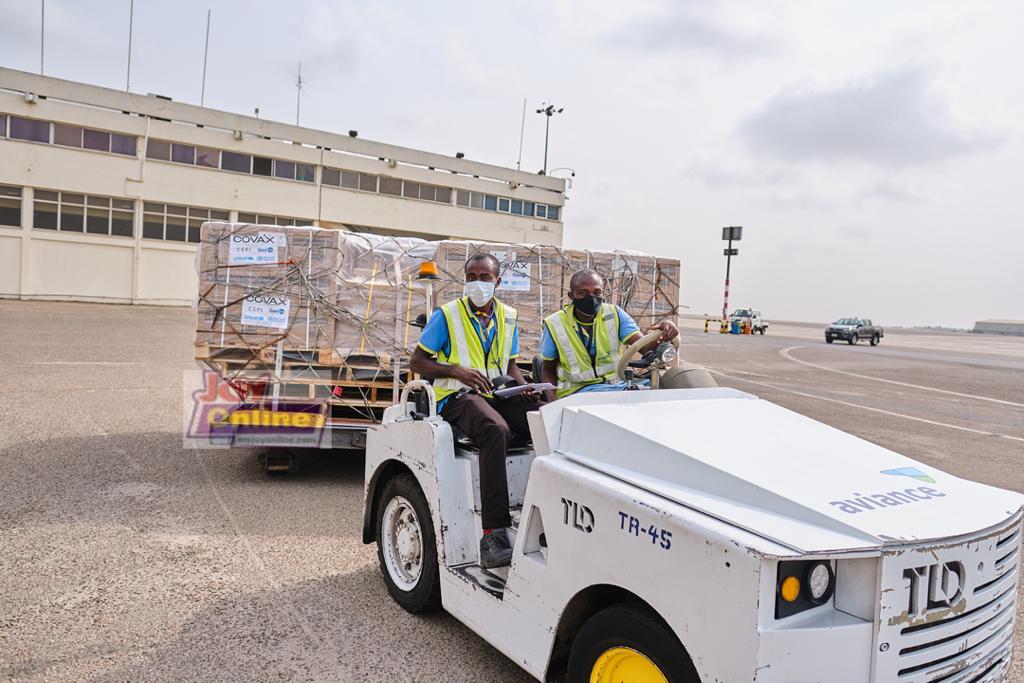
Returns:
(725, 304)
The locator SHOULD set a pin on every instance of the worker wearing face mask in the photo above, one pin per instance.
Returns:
(466, 344)
(580, 344)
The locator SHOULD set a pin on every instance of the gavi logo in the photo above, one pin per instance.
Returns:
(859, 502)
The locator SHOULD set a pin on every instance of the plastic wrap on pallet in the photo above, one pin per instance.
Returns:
(261, 284)
(328, 313)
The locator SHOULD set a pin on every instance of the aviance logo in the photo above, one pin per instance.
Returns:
(874, 501)
(910, 472)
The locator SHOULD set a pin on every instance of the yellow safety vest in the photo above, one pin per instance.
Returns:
(575, 367)
(466, 348)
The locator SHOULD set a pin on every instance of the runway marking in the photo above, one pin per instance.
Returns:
(785, 353)
(874, 410)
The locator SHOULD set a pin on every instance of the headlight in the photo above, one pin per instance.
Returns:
(803, 585)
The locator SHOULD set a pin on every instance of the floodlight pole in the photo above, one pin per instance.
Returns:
(548, 111)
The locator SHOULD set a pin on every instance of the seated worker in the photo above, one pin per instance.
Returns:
(465, 344)
(579, 345)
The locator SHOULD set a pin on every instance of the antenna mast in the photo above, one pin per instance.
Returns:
(298, 94)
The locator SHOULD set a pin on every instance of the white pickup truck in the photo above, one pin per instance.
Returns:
(751, 317)
(649, 547)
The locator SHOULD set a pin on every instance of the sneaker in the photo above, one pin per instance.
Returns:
(495, 550)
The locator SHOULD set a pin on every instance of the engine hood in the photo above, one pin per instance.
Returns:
(769, 470)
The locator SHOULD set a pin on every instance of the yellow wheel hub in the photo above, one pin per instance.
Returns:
(625, 665)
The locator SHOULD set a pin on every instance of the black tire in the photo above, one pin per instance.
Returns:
(853, 339)
(762, 330)
(828, 338)
(875, 340)
(627, 625)
(425, 596)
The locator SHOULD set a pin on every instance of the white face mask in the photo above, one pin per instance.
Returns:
(479, 292)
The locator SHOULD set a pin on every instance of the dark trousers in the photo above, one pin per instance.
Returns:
(490, 424)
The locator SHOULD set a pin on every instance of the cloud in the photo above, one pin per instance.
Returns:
(889, 120)
(684, 28)
(892, 191)
(714, 175)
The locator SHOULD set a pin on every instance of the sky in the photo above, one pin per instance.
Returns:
(872, 151)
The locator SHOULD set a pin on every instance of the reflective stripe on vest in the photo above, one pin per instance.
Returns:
(467, 349)
(575, 367)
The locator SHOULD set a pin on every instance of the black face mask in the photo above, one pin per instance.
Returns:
(588, 305)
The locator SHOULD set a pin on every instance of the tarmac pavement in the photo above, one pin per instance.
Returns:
(124, 556)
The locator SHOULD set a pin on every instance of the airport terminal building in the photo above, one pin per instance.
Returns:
(102, 192)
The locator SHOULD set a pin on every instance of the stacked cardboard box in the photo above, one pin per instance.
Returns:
(260, 285)
(343, 295)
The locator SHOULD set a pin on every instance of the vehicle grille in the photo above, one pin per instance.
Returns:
(965, 641)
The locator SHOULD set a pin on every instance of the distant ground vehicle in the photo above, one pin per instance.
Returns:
(853, 330)
(750, 317)
(650, 548)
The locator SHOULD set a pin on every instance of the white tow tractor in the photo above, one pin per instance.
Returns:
(651, 546)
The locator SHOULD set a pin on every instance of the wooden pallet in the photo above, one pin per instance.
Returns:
(267, 355)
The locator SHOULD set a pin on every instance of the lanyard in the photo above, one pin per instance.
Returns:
(479, 333)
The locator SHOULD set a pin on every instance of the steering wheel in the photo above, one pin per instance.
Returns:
(634, 348)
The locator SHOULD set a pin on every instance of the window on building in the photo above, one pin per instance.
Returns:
(542, 211)
(96, 140)
(262, 166)
(444, 195)
(553, 213)
(30, 129)
(207, 157)
(528, 208)
(462, 197)
(368, 182)
(97, 215)
(476, 200)
(233, 161)
(10, 206)
(517, 207)
(490, 202)
(175, 227)
(93, 214)
(72, 212)
(67, 136)
(122, 217)
(123, 144)
(392, 186)
(177, 223)
(282, 169)
(305, 173)
(330, 176)
(350, 180)
(46, 209)
(158, 149)
(247, 218)
(3, 125)
(183, 154)
(503, 204)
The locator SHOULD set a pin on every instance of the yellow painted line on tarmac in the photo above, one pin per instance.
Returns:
(874, 410)
(785, 353)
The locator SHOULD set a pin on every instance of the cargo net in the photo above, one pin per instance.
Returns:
(305, 313)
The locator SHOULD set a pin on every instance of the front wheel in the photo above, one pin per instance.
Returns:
(853, 339)
(762, 330)
(875, 340)
(406, 548)
(626, 643)
(828, 338)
